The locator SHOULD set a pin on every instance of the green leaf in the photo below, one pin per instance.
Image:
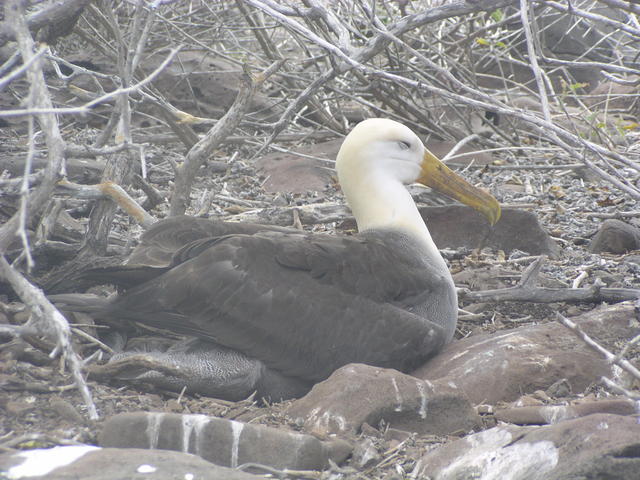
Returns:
(497, 15)
(576, 86)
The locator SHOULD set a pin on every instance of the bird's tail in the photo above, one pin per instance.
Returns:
(79, 302)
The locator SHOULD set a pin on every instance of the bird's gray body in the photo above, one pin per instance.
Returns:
(279, 309)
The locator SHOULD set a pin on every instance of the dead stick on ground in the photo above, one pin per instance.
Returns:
(526, 291)
(593, 294)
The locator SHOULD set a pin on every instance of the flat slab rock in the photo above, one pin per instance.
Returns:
(223, 442)
(597, 446)
(93, 463)
(356, 394)
(500, 367)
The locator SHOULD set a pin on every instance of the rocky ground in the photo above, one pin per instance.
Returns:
(41, 407)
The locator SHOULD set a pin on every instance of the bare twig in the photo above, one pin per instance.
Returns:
(201, 151)
(86, 107)
(533, 58)
(114, 192)
(610, 357)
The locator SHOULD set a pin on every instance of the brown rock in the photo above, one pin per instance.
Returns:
(597, 446)
(92, 463)
(455, 226)
(19, 407)
(223, 442)
(356, 393)
(490, 368)
(615, 236)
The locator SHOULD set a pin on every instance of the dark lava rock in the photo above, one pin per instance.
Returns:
(297, 173)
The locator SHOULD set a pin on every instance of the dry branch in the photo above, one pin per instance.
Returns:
(39, 99)
(594, 294)
(348, 57)
(200, 152)
(602, 160)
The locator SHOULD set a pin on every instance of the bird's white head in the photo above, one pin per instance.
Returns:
(378, 157)
(379, 146)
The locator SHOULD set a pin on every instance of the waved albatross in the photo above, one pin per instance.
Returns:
(277, 310)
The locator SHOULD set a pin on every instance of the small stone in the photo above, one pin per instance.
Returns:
(527, 401)
(174, 406)
(559, 389)
(542, 396)
(615, 236)
(18, 408)
(65, 410)
(365, 454)
(366, 429)
(484, 409)
(397, 435)
(572, 311)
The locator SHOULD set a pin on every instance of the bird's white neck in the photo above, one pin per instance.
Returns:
(380, 203)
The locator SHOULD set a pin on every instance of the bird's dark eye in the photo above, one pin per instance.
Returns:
(404, 145)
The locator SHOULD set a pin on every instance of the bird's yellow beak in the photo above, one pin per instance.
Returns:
(438, 176)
